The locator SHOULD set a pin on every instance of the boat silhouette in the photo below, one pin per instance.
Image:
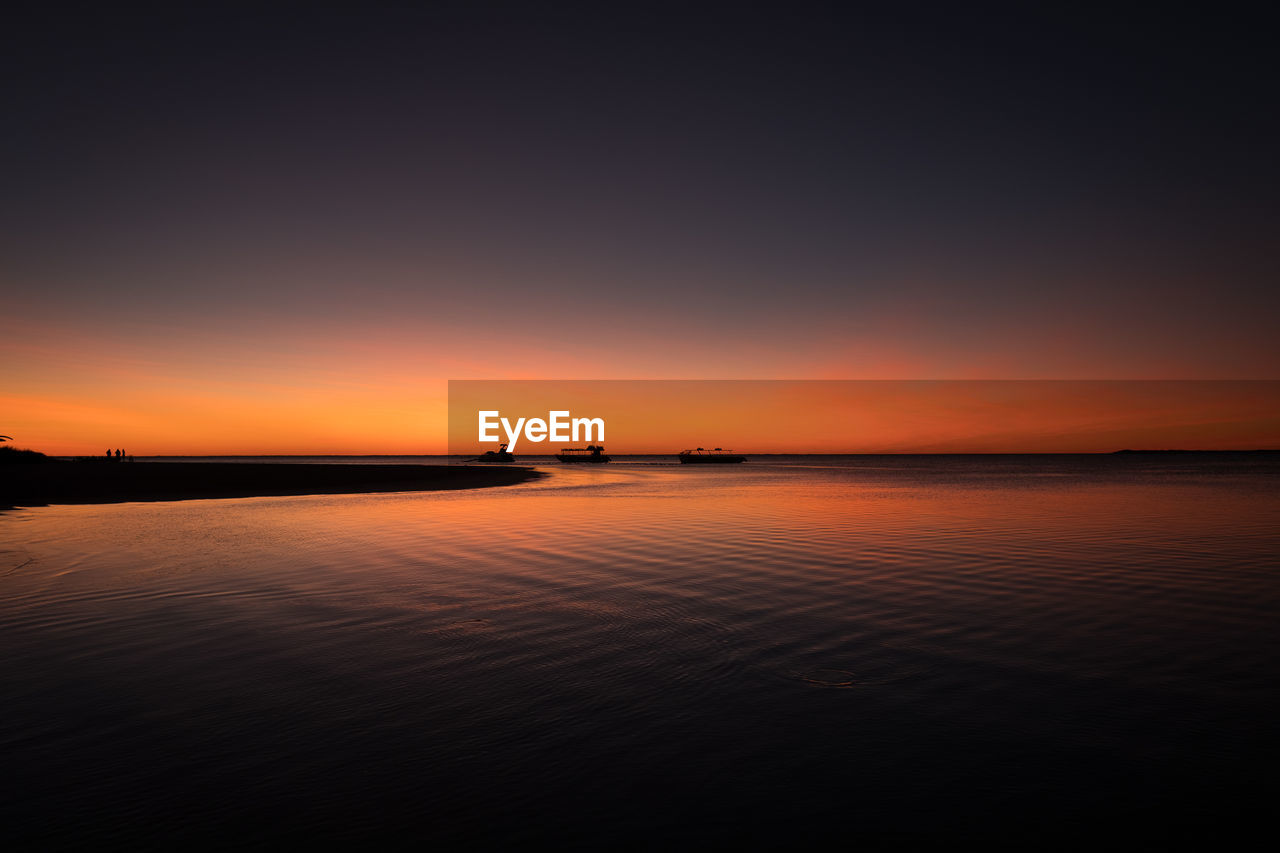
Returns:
(499, 455)
(709, 457)
(591, 453)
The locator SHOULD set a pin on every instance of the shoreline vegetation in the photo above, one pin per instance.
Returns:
(29, 485)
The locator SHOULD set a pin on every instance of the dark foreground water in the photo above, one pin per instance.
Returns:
(1047, 650)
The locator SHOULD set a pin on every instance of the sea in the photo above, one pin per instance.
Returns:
(862, 651)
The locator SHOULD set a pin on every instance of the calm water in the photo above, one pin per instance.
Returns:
(642, 655)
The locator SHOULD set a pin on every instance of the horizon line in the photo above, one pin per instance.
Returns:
(742, 452)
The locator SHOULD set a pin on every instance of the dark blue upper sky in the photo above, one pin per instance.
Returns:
(1010, 192)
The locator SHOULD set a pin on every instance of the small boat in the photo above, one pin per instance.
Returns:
(710, 457)
(499, 455)
(591, 453)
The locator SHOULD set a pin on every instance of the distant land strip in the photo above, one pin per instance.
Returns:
(1206, 452)
(117, 482)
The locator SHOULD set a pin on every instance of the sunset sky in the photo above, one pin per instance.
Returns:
(873, 416)
(284, 232)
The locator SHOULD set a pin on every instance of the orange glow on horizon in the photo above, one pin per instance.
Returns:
(887, 416)
(183, 391)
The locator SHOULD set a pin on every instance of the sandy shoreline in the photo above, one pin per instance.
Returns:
(93, 482)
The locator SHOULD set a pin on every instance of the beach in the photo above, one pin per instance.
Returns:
(116, 482)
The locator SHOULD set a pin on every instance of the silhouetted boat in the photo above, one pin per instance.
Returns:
(499, 455)
(591, 453)
(710, 457)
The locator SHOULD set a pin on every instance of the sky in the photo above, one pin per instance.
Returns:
(257, 231)
(874, 416)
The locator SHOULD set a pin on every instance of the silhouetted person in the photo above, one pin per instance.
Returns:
(108, 453)
(117, 454)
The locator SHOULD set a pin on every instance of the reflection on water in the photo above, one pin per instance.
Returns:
(640, 655)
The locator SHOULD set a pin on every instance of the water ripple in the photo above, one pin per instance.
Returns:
(601, 647)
